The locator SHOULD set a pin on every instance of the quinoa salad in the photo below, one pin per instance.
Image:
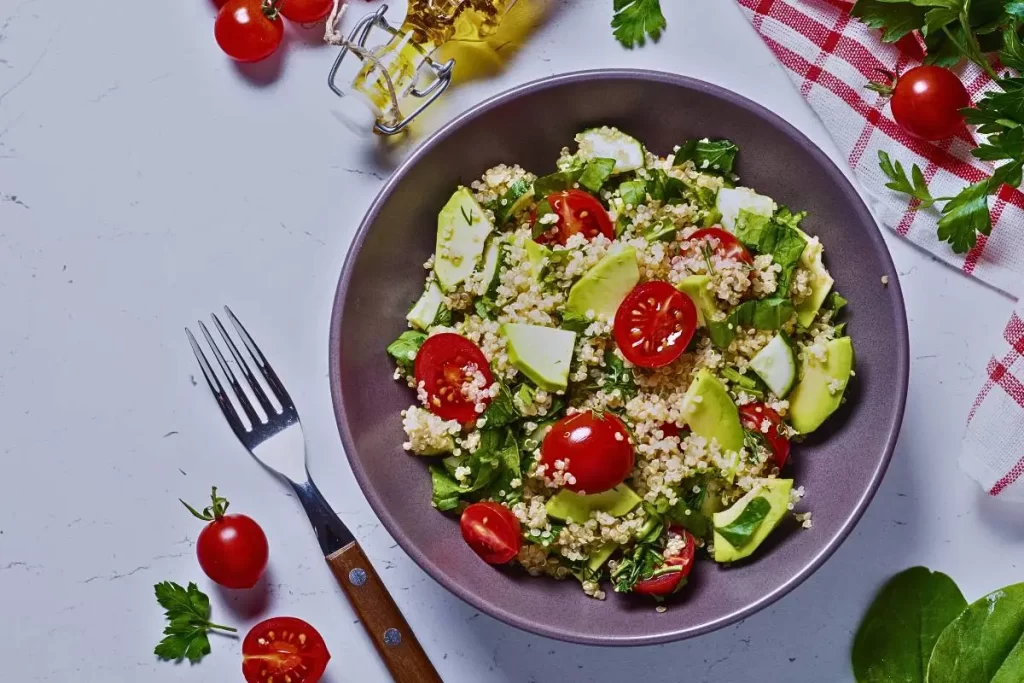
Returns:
(609, 363)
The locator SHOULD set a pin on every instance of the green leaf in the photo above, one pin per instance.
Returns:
(749, 228)
(715, 156)
(503, 207)
(502, 410)
(575, 322)
(445, 490)
(664, 188)
(556, 182)
(786, 245)
(1012, 54)
(784, 216)
(895, 20)
(177, 601)
(663, 230)
(188, 612)
(687, 152)
(635, 20)
(485, 308)
(596, 173)
(633, 192)
(899, 630)
(900, 183)
(543, 209)
(835, 302)
(965, 216)
(741, 530)
(985, 644)
(1015, 9)
(409, 342)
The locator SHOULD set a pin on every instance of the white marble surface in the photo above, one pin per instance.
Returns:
(145, 180)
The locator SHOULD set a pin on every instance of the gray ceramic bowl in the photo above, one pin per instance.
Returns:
(841, 467)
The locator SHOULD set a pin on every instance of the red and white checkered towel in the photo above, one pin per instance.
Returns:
(831, 56)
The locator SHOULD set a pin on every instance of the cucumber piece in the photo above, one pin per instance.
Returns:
(611, 143)
(518, 195)
(731, 200)
(776, 365)
(426, 309)
(492, 259)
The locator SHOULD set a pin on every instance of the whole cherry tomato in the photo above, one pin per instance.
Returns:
(232, 549)
(593, 449)
(306, 11)
(927, 100)
(248, 30)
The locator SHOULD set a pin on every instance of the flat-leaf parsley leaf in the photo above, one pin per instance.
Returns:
(635, 20)
(188, 611)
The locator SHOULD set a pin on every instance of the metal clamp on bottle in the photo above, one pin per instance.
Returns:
(357, 39)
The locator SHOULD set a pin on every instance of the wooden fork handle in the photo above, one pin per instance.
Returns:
(387, 628)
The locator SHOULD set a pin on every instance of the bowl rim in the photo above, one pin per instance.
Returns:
(876, 241)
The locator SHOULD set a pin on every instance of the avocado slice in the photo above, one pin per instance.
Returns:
(711, 413)
(462, 230)
(821, 282)
(425, 311)
(696, 287)
(815, 397)
(567, 504)
(537, 255)
(605, 285)
(744, 526)
(601, 555)
(541, 353)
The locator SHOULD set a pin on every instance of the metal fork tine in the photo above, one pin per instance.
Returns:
(218, 391)
(262, 363)
(243, 400)
(254, 384)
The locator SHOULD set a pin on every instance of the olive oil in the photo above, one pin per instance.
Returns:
(428, 25)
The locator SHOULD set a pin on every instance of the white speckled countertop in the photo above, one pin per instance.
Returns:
(145, 180)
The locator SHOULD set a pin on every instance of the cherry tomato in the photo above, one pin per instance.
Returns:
(248, 30)
(593, 450)
(728, 245)
(670, 429)
(232, 549)
(284, 649)
(306, 11)
(927, 101)
(670, 582)
(492, 531)
(448, 364)
(654, 323)
(577, 212)
(753, 415)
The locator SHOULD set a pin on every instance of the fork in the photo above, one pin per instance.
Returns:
(273, 435)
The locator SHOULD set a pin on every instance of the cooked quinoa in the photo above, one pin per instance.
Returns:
(755, 295)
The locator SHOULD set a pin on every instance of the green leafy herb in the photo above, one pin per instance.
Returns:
(662, 187)
(503, 208)
(985, 643)
(745, 382)
(635, 567)
(596, 173)
(635, 20)
(633, 192)
(715, 156)
(760, 314)
(188, 613)
(775, 235)
(899, 182)
(540, 227)
(502, 410)
(784, 216)
(556, 182)
(964, 216)
(835, 302)
(407, 344)
(663, 230)
(492, 467)
(616, 378)
(741, 530)
(686, 152)
(468, 217)
(445, 490)
(575, 322)
(896, 19)
(485, 307)
(896, 637)
(442, 317)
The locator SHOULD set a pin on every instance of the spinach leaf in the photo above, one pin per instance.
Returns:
(785, 245)
(749, 228)
(985, 644)
(446, 490)
(409, 342)
(715, 156)
(741, 530)
(896, 637)
(664, 188)
(664, 230)
(616, 378)
(786, 217)
(442, 317)
(760, 314)
(633, 192)
(686, 152)
(485, 307)
(575, 322)
(492, 467)
(502, 410)
(556, 182)
(835, 302)
(596, 173)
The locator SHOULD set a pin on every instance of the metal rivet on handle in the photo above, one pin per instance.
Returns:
(392, 637)
(357, 577)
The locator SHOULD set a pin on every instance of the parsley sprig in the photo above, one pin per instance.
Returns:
(955, 30)
(636, 20)
(188, 614)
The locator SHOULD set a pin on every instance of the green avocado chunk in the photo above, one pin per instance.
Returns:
(605, 285)
(740, 529)
(537, 255)
(821, 282)
(711, 413)
(541, 353)
(462, 230)
(566, 504)
(425, 311)
(820, 390)
(696, 287)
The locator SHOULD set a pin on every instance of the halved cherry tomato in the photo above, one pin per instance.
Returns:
(670, 429)
(728, 245)
(492, 531)
(670, 582)
(306, 11)
(578, 212)
(753, 415)
(284, 649)
(593, 449)
(248, 30)
(448, 364)
(654, 324)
